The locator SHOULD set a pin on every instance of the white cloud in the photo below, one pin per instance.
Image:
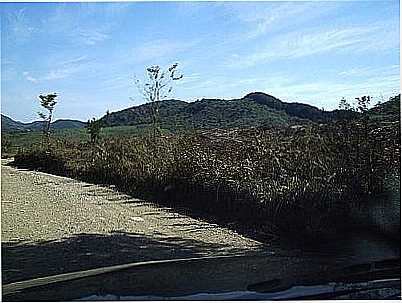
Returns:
(28, 77)
(32, 79)
(78, 60)
(323, 93)
(77, 22)
(365, 71)
(261, 18)
(92, 36)
(116, 82)
(20, 28)
(161, 48)
(301, 44)
(189, 8)
(59, 73)
(6, 61)
(190, 78)
(60, 69)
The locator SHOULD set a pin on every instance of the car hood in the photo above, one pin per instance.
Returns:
(270, 276)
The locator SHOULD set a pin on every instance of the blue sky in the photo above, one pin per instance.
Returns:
(89, 53)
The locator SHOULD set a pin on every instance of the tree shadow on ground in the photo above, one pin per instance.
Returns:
(178, 203)
(257, 231)
(247, 228)
(22, 261)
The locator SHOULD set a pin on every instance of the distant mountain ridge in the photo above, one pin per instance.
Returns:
(10, 125)
(299, 110)
(253, 110)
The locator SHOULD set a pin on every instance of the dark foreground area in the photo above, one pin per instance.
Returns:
(222, 278)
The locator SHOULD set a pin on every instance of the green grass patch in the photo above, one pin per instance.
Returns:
(12, 143)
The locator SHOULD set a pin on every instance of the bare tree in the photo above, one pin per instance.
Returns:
(156, 88)
(48, 102)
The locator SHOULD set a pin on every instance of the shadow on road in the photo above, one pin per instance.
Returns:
(22, 261)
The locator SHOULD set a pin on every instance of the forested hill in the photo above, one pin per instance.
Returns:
(390, 109)
(10, 125)
(253, 110)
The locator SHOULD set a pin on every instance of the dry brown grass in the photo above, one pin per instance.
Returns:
(300, 179)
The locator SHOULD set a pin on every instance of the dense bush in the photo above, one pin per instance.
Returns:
(297, 179)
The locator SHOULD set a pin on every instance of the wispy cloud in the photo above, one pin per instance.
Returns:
(297, 44)
(5, 61)
(55, 74)
(77, 60)
(57, 71)
(20, 28)
(60, 73)
(162, 48)
(260, 19)
(116, 82)
(189, 8)
(190, 78)
(328, 93)
(92, 36)
(77, 22)
(365, 71)
(28, 77)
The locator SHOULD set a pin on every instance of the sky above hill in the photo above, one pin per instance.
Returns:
(89, 53)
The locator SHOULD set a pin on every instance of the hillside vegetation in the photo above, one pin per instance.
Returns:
(253, 110)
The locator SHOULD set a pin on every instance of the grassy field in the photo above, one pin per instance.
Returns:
(290, 180)
(20, 141)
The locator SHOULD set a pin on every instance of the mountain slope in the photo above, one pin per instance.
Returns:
(253, 110)
(10, 125)
(390, 109)
(206, 113)
(68, 123)
(299, 110)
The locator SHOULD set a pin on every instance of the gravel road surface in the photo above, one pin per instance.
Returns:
(53, 225)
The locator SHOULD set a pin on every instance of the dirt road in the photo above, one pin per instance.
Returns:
(53, 225)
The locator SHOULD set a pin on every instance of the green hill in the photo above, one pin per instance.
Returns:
(206, 113)
(10, 125)
(390, 109)
(299, 110)
(253, 110)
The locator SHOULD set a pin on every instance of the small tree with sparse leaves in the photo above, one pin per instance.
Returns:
(363, 103)
(94, 128)
(344, 105)
(48, 102)
(157, 87)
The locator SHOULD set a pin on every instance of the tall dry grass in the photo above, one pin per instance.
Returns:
(296, 180)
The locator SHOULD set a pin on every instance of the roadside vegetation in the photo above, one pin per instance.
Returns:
(286, 180)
